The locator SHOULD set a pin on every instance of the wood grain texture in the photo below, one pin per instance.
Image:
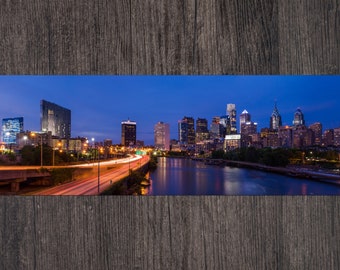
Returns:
(169, 37)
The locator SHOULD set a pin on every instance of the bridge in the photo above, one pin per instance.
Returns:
(15, 176)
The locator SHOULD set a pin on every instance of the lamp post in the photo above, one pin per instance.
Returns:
(54, 148)
(41, 151)
(25, 139)
(93, 147)
(98, 173)
(41, 148)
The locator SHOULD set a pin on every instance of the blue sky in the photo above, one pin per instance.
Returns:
(100, 103)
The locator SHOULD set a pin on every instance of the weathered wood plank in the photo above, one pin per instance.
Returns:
(309, 37)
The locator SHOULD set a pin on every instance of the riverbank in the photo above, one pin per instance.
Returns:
(293, 171)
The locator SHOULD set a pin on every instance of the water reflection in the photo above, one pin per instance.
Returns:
(175, 176)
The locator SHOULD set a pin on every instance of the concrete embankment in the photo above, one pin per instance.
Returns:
(297, 172)
(128, 185)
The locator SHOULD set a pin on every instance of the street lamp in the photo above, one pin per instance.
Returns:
(25, 139)
(98, 172)
(54, 148)
(93, 147)
(41, 148)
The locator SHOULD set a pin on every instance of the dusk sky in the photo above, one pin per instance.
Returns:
(100, 103)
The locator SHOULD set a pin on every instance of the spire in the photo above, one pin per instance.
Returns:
(275, 119)
(275, 111)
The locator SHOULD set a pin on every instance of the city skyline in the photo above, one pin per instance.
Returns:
(100, 103)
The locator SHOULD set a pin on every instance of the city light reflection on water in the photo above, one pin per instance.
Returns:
(177, 176)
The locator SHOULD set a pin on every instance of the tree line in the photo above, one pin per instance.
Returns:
(278, 157)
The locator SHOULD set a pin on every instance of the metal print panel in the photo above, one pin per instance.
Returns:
(170, 135)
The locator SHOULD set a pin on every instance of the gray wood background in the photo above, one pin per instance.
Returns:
(169, 37)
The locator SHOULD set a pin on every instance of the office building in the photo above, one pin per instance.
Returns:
(186, 131)
(317, 130)
(129, 133)
(34, 138)
(10, 128)
(162, 136)
(231, 112)
(285, 134)
(55, 119)
(275, 120)
(328, 137)
(232, 142)
(202, 132)
(302, 136)
(249, 128)
(270, 138)
(298, 118)
(215, 128)
(244, 118)
(337, 137)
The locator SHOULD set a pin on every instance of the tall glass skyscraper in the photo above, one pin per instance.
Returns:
(231, 112)
(129, 133)
(244, 118)
(186, 131)
(162, 136)
(10, 128)
(56, 119)
(202, 132)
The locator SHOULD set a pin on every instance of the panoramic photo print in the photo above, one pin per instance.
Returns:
(170, 135)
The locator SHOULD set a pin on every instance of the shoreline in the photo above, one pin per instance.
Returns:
(296, 172)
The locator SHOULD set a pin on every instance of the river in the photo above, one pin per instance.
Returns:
(176, 176)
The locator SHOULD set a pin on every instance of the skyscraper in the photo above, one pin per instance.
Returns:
(317, 130)
(202, 132)
(162, 136)
(225, 122)
(298, 118)
(336, 137)
(129, 133)
(10, 128)
(216, 128)
(244, 118)
(231, 112)
(328, 137)
(275, 120)
(56, 119)
(186, 131)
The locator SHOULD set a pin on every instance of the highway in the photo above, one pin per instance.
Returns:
(108, 176)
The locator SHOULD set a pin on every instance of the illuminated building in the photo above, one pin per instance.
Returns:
(129, 133)
(231, 112)
(10, 128)
(337, 137)
(232, 142)
(317, 129)
(270, 138)
(162, 136)
(302, 136)
(33, 138)
(186, 131)
(298, 118)
(285, 134)
(275, 119)
(328, 137)
(244, 118)
(225, 123)
(202, 132)
(215, 128)
(56, 119)
(249, 128)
